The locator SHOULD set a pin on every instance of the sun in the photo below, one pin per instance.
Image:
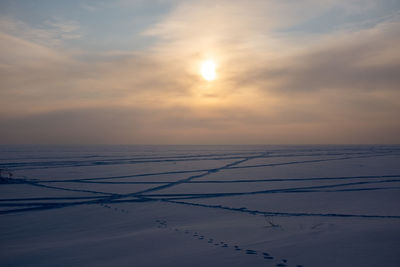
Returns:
(208, 70)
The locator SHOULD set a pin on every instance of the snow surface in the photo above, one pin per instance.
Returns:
(200, 206)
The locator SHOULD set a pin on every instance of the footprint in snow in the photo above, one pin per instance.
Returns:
(283, 264)
(251, 252)
(266, 255)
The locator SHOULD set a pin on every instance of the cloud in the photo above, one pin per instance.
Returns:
(64, 29)
(362, 61)
(52, 32)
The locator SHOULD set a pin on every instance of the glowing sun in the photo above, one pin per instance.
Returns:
(208, 70)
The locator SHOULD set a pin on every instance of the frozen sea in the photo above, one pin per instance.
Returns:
(310, 206)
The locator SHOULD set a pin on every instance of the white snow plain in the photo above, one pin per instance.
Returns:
(311, 206)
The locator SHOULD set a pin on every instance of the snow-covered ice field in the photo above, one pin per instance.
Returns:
(311, 206)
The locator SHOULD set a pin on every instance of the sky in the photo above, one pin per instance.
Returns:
(129, 72)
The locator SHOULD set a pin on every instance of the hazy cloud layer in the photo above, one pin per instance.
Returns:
(280, 78)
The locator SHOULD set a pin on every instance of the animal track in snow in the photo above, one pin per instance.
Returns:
(267, 256)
